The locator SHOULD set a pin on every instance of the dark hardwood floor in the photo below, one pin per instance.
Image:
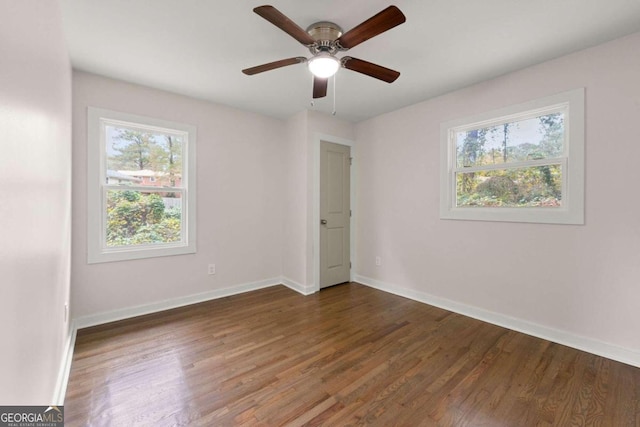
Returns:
(349, 355)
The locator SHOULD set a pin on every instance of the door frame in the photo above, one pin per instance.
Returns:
(317, 139)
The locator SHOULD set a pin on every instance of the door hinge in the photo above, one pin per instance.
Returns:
(349, 265)
(350, 161)
(350, 213)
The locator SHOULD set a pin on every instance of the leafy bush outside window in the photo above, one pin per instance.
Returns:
(135, 218)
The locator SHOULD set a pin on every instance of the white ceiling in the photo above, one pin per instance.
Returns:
(199, 47)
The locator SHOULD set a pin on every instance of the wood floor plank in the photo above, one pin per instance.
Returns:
(348, 355)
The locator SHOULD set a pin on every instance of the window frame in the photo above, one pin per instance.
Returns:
(97, 250)
(572, 162)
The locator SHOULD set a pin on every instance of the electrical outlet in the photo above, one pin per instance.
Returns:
(211, 269)
(378, 261)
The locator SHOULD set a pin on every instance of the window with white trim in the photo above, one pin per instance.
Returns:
(141, 187)
(523, 163)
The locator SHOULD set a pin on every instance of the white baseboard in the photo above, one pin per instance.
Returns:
(304, 290)
(590, 345)
(126, 313)
(65, 367)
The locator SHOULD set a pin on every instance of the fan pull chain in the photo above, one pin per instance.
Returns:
(333, 113)
(313, 102)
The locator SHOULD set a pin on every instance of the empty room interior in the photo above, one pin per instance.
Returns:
(321, 213)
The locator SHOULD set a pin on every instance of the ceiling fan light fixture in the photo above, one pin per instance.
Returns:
(324, 65)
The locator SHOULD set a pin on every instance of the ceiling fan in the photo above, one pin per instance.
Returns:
(325, 39)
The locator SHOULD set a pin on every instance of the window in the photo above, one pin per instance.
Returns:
(524, 163)
(141, 179)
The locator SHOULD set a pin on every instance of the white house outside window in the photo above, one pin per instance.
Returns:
(141, 179)
(522, 163)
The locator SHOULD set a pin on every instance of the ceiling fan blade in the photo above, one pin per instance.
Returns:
(320, 87)
(278, 19)
(370, 69)
(377, 24)
(273, 65)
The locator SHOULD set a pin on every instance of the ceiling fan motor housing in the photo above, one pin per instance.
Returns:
(325, 34)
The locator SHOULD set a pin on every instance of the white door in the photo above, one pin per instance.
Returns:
(335, 214)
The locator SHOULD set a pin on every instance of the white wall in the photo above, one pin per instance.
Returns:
(255, 183)
(239, 201)
(298, 220)
(298, 223)
(581, 281)
(295, 209)
(35, 166)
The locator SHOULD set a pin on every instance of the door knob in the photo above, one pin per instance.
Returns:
(323, 221)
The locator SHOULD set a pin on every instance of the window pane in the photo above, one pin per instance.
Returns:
(539, 186)
(531, 139)
(139, 157)
(142, 218)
